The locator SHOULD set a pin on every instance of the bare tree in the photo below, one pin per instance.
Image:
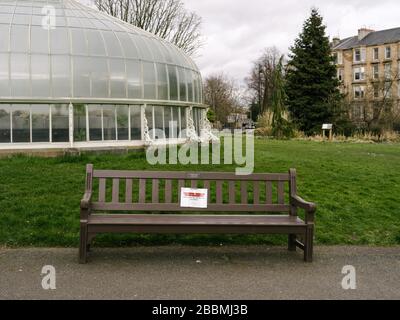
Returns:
(223, 96)
(260, 81)
(167, 19)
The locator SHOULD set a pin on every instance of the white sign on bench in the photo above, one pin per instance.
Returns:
(194, 198)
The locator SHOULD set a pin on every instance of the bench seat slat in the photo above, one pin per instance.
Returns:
(128, 191)
(269, 220)
(115, 191)
(102, 190)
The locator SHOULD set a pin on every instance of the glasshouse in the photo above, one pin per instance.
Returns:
(74, 77)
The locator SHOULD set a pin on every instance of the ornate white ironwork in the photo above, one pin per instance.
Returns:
(146, 132)
(206, 134)
(191, 129)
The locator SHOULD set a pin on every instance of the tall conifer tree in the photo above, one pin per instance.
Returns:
(312, 85)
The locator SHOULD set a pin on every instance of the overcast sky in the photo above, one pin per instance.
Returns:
(236, 31)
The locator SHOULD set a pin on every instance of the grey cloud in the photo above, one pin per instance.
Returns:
(237, 31)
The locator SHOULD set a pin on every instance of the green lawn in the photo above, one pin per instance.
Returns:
(356, 187)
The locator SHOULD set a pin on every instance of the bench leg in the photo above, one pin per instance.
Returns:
(309, 244)
(292, 242)
(83, 247)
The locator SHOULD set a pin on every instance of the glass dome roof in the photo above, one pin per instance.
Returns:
(87, 55)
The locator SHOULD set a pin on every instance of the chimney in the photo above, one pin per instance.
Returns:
(335, 41)
(363, 32)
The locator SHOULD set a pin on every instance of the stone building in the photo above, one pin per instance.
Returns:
(368, 66)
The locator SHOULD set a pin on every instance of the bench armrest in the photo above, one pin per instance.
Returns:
(309, 207)
(86, 201)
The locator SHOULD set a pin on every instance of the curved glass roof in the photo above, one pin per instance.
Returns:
(63, 50)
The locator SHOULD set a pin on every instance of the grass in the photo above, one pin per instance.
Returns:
(356, 187)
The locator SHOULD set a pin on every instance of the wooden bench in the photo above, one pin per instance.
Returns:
(148, 203)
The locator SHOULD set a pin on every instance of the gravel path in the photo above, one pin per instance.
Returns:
(176, 272)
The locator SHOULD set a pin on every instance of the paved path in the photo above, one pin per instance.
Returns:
(176, 272)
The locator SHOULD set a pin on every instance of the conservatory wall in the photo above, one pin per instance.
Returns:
(89, 80)
(88, 125)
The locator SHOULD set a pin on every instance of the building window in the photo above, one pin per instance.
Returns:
(376, 54)
(376, 91)
(21, 123)
(5, 124)
(60, 123)
(122, 117)
(388, 52)
(388, 90)
(388, 71)
(359, 92)
(359, 74)
(109, 123)
(40, 123)
(95, 123)
(358, 112)
(80, 122)
(340, 74)
(375, 71)
(136, 123)
(398, 88)
(359, 55)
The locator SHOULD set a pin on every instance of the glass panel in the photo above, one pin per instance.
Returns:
(109, 123)
(59, 41)
(96, 43)
(4, 77)
(162, 81)
(168, 122)
(39, 40)
(196, 87)
(128, 46)
(166, 53)
(4, 37)
(61, 76)
(149, 117)
(176, 125)
(189, 82)
(60, 123)
(173, 83)
(159, 122)
(81, 77)
(117, 78)
(100, 77)
(20, 75)
(182, 84)
(149, 80)
(143, 49)
(136, 123)
(21, 19)
(79, 45)
(133, 71)
(19, 38)
(153, 45)
(40, 75)
(113, 47)
(183, 120)
(95, 127)
(79, 122)
(40, 123)
(123, 122)
(21, 123)
(5, 18)
(200, 83)
(5, 123)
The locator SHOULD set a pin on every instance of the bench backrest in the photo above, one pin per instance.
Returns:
(150, 191)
